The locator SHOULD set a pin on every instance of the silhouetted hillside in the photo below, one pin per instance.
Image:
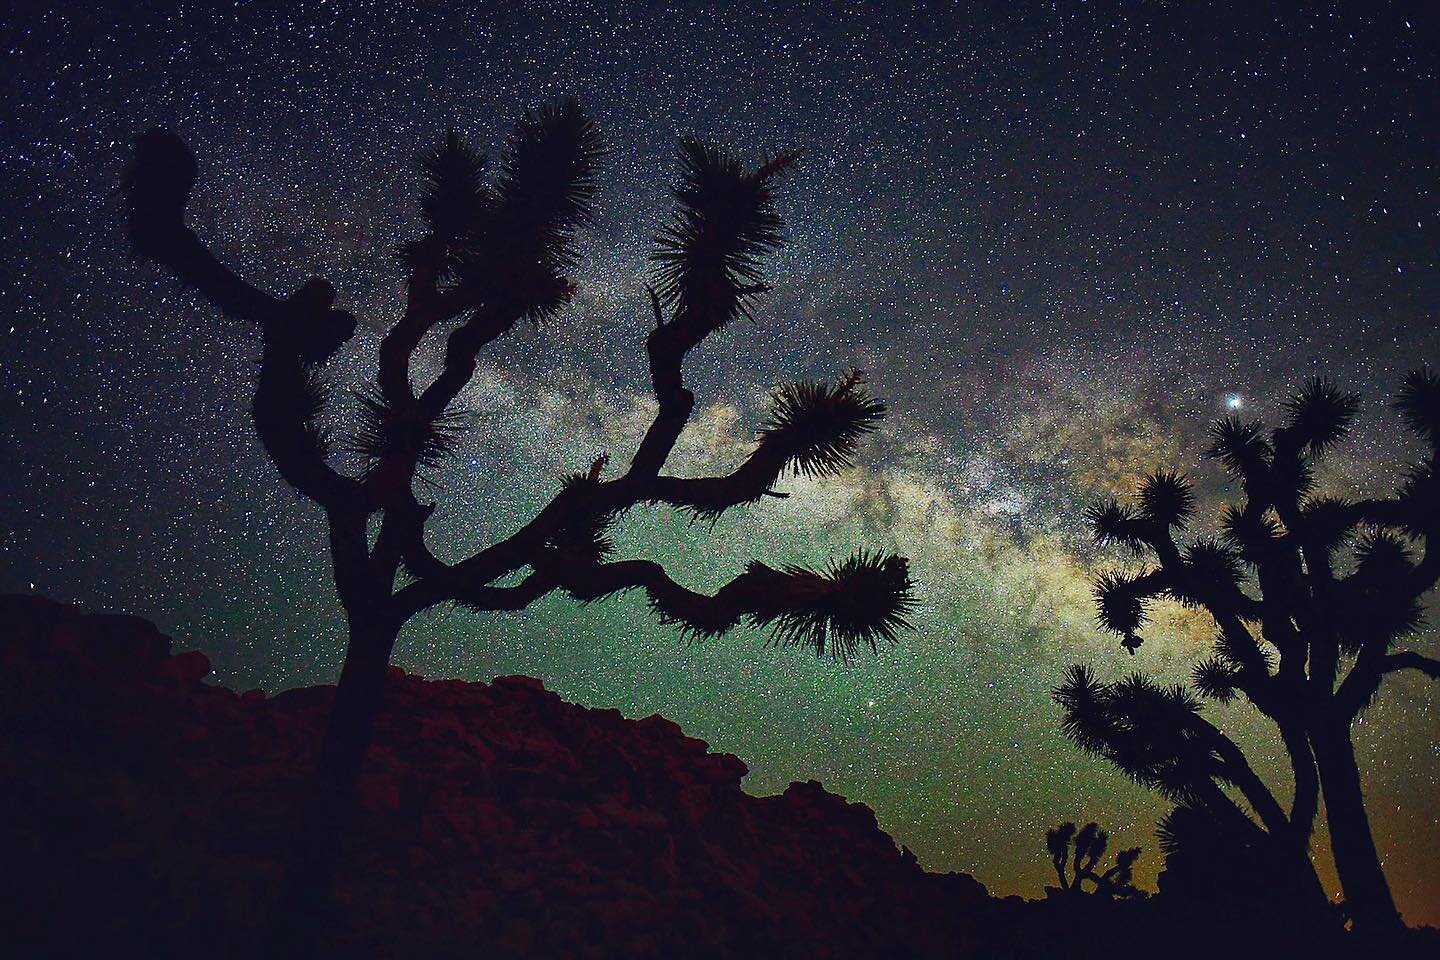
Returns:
(144, 812)
(148, 808)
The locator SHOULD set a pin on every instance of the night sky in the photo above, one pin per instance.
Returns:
(1061, 238)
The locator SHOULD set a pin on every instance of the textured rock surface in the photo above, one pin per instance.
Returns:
(143, 813)
(144, 810)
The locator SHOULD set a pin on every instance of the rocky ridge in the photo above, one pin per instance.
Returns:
(146, 806)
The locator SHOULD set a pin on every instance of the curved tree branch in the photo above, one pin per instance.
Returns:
(299, 332)
(1410, 660)
(856, 602)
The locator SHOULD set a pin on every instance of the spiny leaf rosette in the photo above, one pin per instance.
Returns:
(386, 433)
(815, 426)
(864, 598)
(711, 254)
(454, 203)
(813, 430)
(1311, 594)
(495, 245)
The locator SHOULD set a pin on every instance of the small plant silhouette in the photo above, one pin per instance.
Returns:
(497, 248)
(1081, 851)
(1310, 595)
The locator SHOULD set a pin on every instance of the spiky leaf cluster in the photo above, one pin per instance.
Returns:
(1155, 743)
(708, 257)
(1419, 403)
(1211, 570)
(1321, 414)
(1180, 828)
(816, 426)
(1121, 604)
(1254, 534)
(1382, 557)
(1240, 446)
(1147, 731)
(1081, 697)
(387, 433)
(1378, 608)
(1239, 647)
(1216, 678)
(519, 249)
(1167, 499)
(863, 599)
(1327, 522)
(454, 202)
(546, 187)
(1115, 523)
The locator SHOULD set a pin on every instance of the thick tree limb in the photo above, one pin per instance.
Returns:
(1364, 679)
(711, 496)
(1305, 804)
(1410, 660)
(298, 331)
(518, 597)
(703, 614)
(865, 598)
(1236, 769)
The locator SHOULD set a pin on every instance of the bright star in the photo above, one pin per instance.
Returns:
(1234, 402)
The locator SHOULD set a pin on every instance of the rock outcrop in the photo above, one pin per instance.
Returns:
(144, 812)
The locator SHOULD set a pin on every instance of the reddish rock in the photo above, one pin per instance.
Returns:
(144, 806)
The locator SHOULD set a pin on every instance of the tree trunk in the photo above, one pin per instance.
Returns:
(302, 912)
(1294, 839)
(1367, 893)
(1310, 898)
(1287, 848)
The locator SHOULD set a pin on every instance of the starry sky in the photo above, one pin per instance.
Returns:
(1060, 237)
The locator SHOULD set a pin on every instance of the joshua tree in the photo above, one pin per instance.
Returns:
(1089, 845)
(495, 249)
(1310, 595)
(1157, 736)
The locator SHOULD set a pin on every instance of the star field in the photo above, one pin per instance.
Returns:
(1060, 238)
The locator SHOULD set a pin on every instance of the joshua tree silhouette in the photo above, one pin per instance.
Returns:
(496, 248)
(1157, 737)
(1089, 844)
(1208, 861)
(1310, 595)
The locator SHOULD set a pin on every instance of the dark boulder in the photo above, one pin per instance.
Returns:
(145, 810)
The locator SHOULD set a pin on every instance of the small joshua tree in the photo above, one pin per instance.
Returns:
(1157, 736)
(496, 249)
(1089, 844)
(1310, 596)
